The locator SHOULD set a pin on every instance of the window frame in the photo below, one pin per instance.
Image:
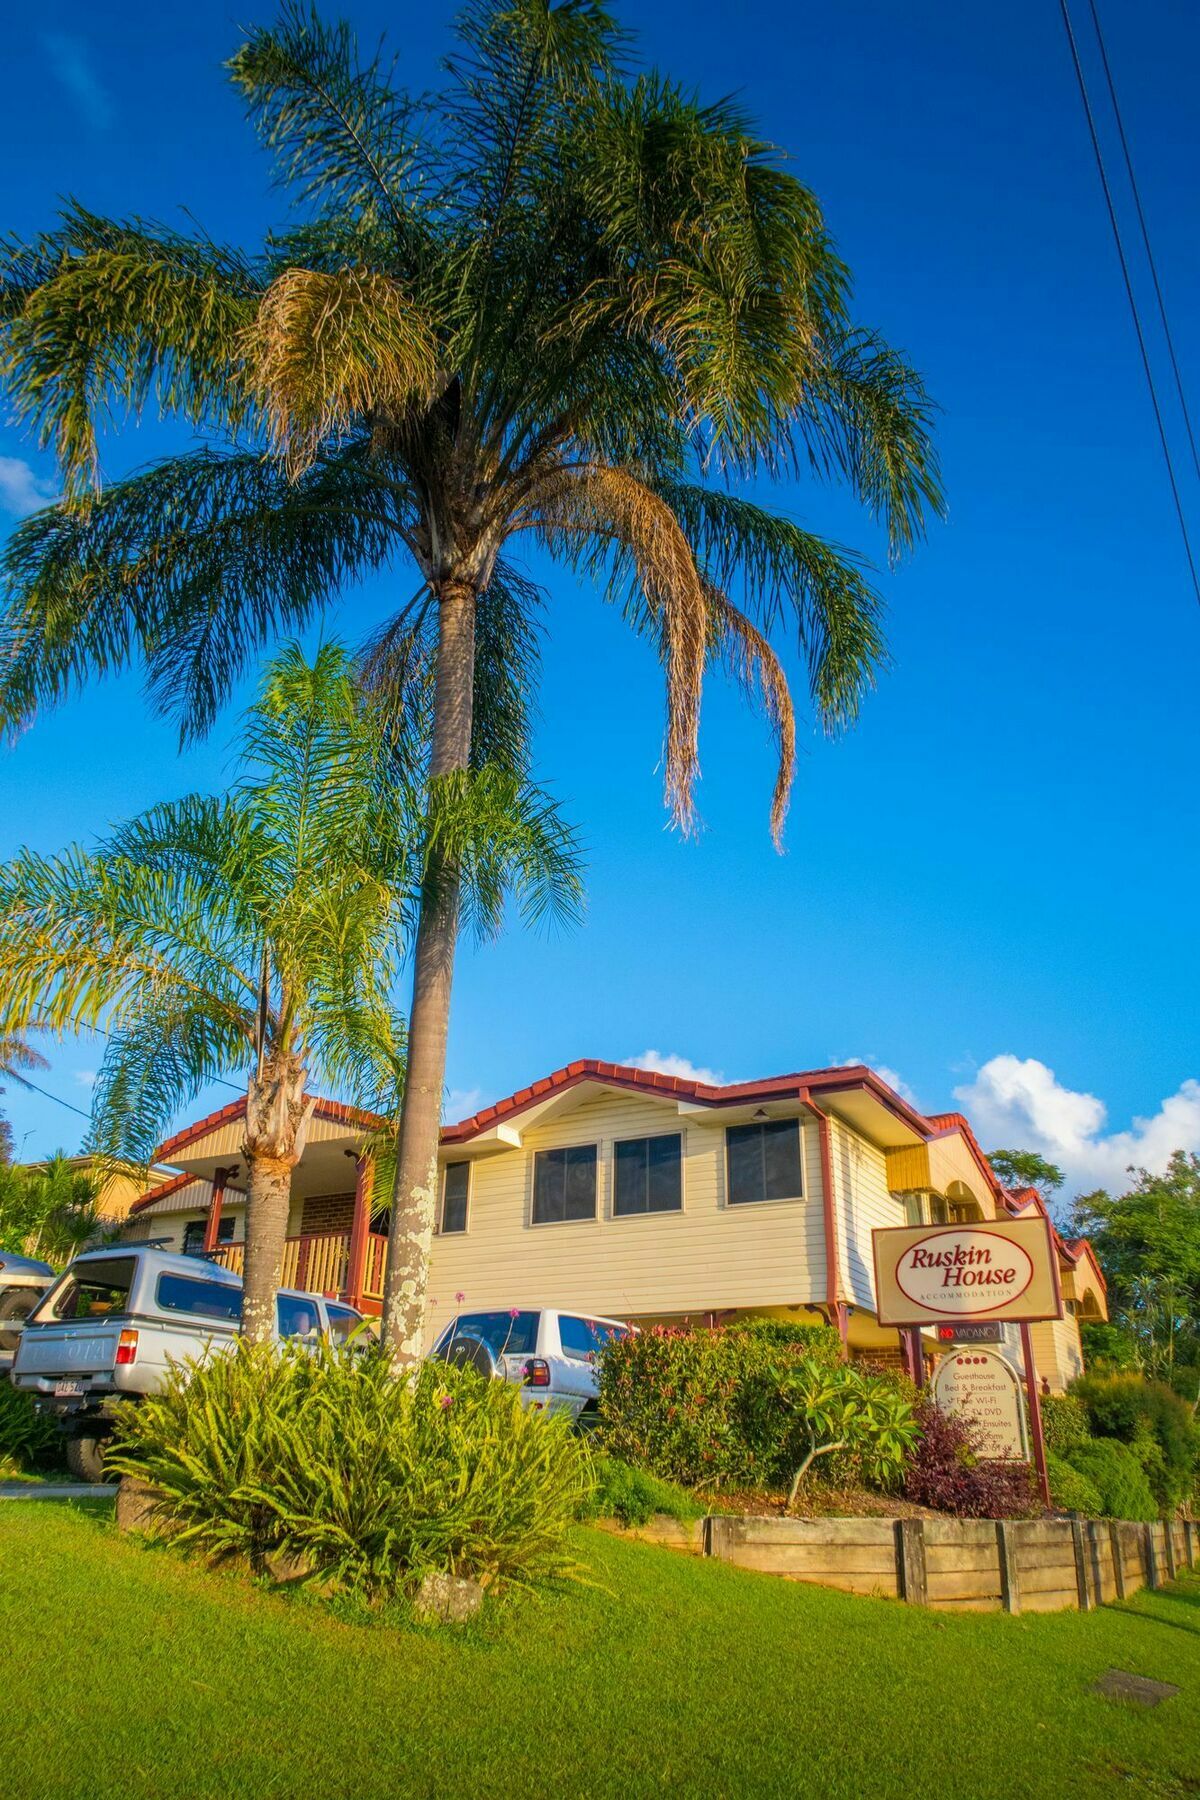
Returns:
(596, 1214)
(732, 1205)
(462, 1162)
(231, 1319)
(655, 1212)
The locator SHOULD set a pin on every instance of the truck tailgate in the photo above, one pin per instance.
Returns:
(68, 1351)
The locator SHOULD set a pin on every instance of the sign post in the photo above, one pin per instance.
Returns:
(973, 1275)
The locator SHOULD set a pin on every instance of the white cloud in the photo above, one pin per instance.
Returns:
(22, 491)
(666, 1062)
(86, 1078)
(460, 1103)
(893, 1078)
(1019, 1103)
(71, 64)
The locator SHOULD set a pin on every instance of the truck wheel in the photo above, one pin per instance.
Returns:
(18, 1303)
(85, 1458)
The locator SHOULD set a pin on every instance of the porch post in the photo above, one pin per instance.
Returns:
(212, 1230)
(360, 1231)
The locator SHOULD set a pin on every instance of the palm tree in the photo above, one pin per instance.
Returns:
(16, 1058)
(50, 1209)
(260, 929)
(551, 302)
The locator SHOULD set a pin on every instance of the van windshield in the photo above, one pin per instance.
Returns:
(91, 1290)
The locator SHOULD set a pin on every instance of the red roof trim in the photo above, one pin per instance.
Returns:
(225, 1115)
(650, 1081)
(162, 1190)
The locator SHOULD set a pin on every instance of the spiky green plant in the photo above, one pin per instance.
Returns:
(552, 302)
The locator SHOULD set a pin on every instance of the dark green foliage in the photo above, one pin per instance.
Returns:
(1109, 1349)
(1026, 1169)
(27, 1439)
(1064, 1421)
(1071, 1490)
(634, 1495)
(1156, 1425)
(712, 1407)
(1118, 1478)
(372, 1481)
(1148, 1244)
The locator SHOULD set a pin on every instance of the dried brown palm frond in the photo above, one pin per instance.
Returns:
(759, 672)
(611, 507)
(325, 349)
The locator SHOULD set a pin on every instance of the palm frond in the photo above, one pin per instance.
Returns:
(596, 508)
(342, 138)
(777, 572)
(155, 1063)
(506, 840)
(122, 312)
(191, 566)
(758, 671)
(326, 350)
(867, 417)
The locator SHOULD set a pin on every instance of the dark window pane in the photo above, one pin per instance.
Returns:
(580, 1197)
(646, 1175)
(744, 1153)
(454, 1196)
(194, 1231)
(96, 1291)
(564, 1184)
(781, 1159)
(763, 1161)
(297, 1317)
(342, 1321)
(507, 1333)
(584, 1337)
(207, 1299)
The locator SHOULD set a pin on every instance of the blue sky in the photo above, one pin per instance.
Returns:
(989, 887)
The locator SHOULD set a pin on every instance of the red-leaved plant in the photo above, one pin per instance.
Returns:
(947, 1473)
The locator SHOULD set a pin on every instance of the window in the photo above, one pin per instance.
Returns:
(913, 1213)
(564, 1184)
(297, 1316)
(506, 1333)
(342, 1321)
(455, 1185)
(764, 1161)
(939, 1212)
(647, 1175)
(584, 1337)
(98, 1290)
(193, 1235)
(192, 1294)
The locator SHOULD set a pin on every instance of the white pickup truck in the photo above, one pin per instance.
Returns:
(550, 1354)
(116, 1318)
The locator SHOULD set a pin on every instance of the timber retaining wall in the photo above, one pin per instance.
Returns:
(973, 1565)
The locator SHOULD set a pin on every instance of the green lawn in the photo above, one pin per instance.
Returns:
(127, 1672)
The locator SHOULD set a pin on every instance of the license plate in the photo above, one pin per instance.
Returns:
(68, 1390)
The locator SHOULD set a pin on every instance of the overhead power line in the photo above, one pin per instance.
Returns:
(1129, 291)
(1137, 201)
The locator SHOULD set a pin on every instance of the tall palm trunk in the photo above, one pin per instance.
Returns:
(414, 1195)
(277, 1118)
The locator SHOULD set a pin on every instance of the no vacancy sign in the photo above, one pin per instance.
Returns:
(998, 1269)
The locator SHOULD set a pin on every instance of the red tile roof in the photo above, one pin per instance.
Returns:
(236, 1109)
(162, 1190)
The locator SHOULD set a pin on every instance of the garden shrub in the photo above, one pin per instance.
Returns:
(707, 1407)
(635, 1495)
(322, 1455)
(1152, 1421)
(28, 1440)
(811, 1409)
(1064, 1422)
(1070, 1489)
(947, 1473)
(1118, 1478)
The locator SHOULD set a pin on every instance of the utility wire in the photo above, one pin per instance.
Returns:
(1137, 201)
(1130, 296)
(23, 1081)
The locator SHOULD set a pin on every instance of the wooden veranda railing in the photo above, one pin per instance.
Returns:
(319, 1263)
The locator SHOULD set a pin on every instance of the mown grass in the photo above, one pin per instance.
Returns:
(128, 1672)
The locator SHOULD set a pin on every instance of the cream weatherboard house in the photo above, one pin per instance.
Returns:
(635, 1195)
